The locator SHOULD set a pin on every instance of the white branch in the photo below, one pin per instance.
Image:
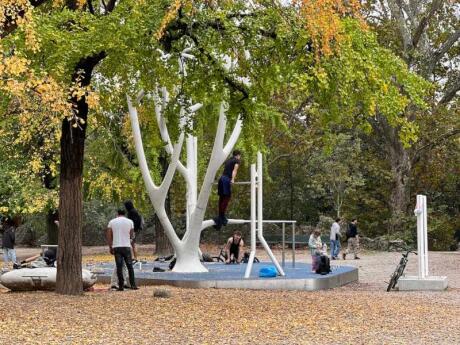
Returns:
(157, 194)
(139, 146)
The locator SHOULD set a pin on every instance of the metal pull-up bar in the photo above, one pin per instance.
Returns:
(257, 214)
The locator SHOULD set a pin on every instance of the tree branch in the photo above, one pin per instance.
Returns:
(432, 144)
(439, 53)
(10, 23)
(450, 92)
(435, 6)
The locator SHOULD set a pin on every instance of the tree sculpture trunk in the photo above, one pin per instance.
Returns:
(187, 248)
(69, 274)
(162, 245)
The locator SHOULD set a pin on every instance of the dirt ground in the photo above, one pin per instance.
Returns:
(359, 313)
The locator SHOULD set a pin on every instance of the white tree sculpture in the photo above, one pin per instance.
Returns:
(187, 248)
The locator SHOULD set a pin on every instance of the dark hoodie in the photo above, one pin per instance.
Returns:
(8, 237)
(133, 215)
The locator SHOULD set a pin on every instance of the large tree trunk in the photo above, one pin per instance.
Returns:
(163, 246)
(69, 275)
(399, 199)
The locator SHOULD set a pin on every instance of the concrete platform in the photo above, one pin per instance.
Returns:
(414, 283)
(223, 276)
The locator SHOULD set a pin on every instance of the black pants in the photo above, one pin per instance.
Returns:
(124, 253)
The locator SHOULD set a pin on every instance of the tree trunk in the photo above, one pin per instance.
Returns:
(188, 259)
(163, 246)
(400, 168)
(69, 275)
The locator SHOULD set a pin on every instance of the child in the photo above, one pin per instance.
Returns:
(8, 240)
(316, 247)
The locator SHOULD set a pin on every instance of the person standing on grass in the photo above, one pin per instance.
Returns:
(352, 239)
(315, 245)
(335, 239)
(119, 233)
(8, 242)
(134, 215)
(224, 187)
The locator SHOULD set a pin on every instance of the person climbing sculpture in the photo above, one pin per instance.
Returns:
(224, 187)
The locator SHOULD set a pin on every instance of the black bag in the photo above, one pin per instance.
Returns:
(245, 259)
(348, 233)
(324, 265)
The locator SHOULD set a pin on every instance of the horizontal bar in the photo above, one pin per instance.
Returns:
(242, 182)
(241, 221)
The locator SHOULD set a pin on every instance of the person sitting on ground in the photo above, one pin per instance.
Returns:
(224, 187)
(315, 245)
(134, 215)
(47, 259)
(234, 248)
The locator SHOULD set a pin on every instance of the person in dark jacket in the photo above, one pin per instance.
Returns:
(8, 242)
(352, 239)
(224, 187)
(134, 215)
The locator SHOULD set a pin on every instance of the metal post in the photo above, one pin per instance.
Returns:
(253, 222)
(425, 235)
(293, 245)
(260, 215)
(282, 246)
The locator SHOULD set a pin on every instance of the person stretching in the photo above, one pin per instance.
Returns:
(234, 248)
(224, 188)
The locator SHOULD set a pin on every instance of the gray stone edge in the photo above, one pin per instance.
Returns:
(308, 284)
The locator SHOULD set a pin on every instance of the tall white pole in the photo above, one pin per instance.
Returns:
(260, 215)
(425, 236)
(253, 222)
(422, 236)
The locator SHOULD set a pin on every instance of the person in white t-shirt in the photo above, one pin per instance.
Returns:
(335, 239)
(119, 233)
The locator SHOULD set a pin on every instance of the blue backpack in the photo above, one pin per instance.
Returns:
(268, 272)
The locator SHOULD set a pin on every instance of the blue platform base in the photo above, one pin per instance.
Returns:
(232, 276)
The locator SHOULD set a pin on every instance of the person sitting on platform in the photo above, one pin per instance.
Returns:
(224, 187)
(316, 246)
(234, 248)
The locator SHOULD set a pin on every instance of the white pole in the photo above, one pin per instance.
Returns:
(253, 222)
(425, 236)
(418, 212)
(260, 215)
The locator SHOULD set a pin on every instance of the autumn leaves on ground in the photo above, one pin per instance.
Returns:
(360, 313)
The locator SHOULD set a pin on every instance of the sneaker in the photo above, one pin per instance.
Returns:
(344, 256)
(120, 289)
(113, 287)
(16, 266)
(218, 224)
(356, 258)
(135, 261)
(333, 258)
(134, 288)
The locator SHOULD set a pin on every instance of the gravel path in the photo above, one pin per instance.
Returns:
(359, 313)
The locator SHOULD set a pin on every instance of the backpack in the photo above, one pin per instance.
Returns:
(245, 259)
(348, 233)
(324, 265)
